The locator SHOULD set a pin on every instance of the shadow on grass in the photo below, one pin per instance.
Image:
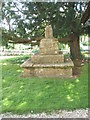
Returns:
(23, 95)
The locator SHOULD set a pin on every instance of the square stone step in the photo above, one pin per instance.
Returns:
(47, 59)
(48, 72)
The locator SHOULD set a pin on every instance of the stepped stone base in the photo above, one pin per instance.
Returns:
(47, 70)
(47, 59)
(49, 62)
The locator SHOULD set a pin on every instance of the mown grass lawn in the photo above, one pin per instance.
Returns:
(23, 95)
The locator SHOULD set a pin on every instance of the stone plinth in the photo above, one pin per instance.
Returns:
(47, 70)
(48, 63)
(47, 59)
(49, 46)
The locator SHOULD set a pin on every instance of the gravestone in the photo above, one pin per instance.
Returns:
(49, 62)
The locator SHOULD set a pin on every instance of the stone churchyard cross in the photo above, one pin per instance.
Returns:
(49, 62)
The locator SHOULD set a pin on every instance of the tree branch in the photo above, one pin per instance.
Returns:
(86, 14)
(16, 39)
(34, 41)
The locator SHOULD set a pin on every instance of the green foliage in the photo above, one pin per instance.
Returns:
(4, 43)
(23, 95)
(18, 60)
(87, 30)
(61, 46)
(31, 18)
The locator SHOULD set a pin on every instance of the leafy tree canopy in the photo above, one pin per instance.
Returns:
(28, 19)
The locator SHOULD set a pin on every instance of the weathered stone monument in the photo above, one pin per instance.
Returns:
(49, 62)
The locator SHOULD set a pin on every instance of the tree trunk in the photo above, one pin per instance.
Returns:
(75, 51)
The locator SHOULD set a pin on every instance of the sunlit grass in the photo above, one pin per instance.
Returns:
(23, 95)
